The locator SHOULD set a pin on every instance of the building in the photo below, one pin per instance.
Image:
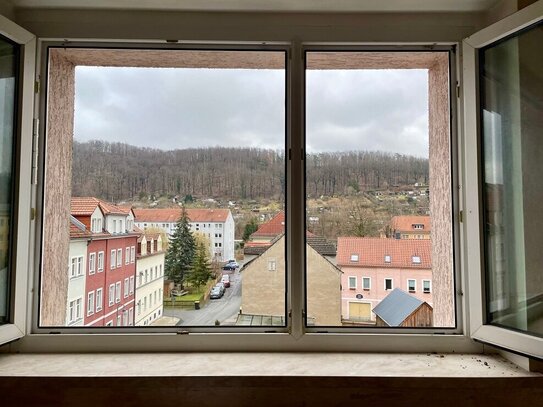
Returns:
(111, 265)
(149, 278)
(263, 285)
(216, 224)
(399, 309)
(410, 227)
(373, 267)
(77, 266)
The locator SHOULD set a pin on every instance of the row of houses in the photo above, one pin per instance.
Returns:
(115, 270)
(350, 284)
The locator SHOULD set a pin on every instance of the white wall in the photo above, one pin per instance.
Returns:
(76, 285)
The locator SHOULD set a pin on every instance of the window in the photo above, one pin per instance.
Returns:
(119, 257)
(113, 261)
(75, 310)
(111, 294)
(416, 259)
(118, 291)
(131, 290)
(99, 299)
(411, 285)
(352, 283)
(366, 283)
(90, 303)
(354, 257)
(126, 287)
(388, 259)
(388, 284)
(132, 254)
(131, 316)
(127, 256)
(426, 286)
(92, 263)
(76, 268)
(118, 320)
(100, 261)
(271, 265)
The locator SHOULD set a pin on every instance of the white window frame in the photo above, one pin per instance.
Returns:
(118, 288)
(119, 258)
(90, 309)
(478, 328)
(385, 284)
(92, 263)
(429, 288)
(368, 279)
(127, 256)
(113, 259)
(132, 254)
(126, 287)
(100, 262)
(99, 295)
(350, 286)
(111, 296)
(131, 290)
(379, 339)
(354, 258)
(409, 290)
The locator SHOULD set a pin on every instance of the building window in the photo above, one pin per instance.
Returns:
(366, 283)
(388, 284)
(119, 257)
(131, 289)
(131, 316)
(127, 256)
(100, 262)
(352, 283)
(272, 265)
(111, 294)
(426, 286)
(118, 291)
(354, 258)
(75, 310)
(132, 254)
(92, 263)
(411, 285)
(388, 259)
(126, 287)
(76, 268)
(416, 259)
(113, 260)
(99, 299)
(90, 303)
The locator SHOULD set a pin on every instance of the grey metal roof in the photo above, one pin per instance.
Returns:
(396, 307)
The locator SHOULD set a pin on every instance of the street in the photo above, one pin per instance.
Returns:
(224, 309)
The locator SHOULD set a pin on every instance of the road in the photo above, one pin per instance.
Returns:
(223, 309)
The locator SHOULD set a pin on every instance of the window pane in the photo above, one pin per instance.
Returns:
(178, 163)
(8, 85)
(511, 120)
(378, 187)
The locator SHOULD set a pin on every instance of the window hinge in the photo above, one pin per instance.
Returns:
(32, 213)
(457, 90)
(461, 216)
(37, 86)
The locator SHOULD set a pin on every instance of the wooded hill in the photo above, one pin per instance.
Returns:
(118, 171)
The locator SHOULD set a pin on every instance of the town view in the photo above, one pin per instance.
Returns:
(188, 229)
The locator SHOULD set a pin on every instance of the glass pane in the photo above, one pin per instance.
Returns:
(8, 85)
(378, 187)
(511, 78)
(178, 163)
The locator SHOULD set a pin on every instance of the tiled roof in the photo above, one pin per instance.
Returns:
(371, 252)
(148, 236)
(405, 223)
(173, 215)
(321, 245)
(275, 226)
(396, 307)
(85, 206)
(255, 247)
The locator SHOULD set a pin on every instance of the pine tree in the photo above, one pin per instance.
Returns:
(181, 250)
(250, 228)
(201, 268)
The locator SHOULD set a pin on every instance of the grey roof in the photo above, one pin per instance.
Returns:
(321, 245)
(396, 307)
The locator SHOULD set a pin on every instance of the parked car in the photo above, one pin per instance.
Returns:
(229, 267)
(215, 293)
(233, 263)
(226, 280)
(221, 287)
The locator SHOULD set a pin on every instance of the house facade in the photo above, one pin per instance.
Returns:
(410, 227)
(217, 225)
(110, 266)
(77, 260)
(263, 286)
(373, 267)
(149, 279)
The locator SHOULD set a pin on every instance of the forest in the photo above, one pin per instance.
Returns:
(118, 172)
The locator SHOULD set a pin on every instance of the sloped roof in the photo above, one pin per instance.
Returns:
(273, 227)
(85, 206)
(372, 251)
(172, 215)
(396, 307)
(321, 245)
(77, 229)
(406, 223)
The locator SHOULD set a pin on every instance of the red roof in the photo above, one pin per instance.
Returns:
(371, 252)
(173, 215)
(273, 227)
(406, 223)
(77, 229)
(85, 206)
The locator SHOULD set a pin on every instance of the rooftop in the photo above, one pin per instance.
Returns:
(396, 307)
(172, 215)
(406, 223)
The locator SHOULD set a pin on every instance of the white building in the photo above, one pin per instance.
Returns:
(215, 224)
(149, 279)
(77, 260)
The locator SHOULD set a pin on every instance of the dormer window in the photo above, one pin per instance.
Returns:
(418, 226)
(416, 259)
(354, 257)
(388, 259)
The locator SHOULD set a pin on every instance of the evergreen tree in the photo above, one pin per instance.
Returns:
(181, 249)
(201, 268)
(250, 228)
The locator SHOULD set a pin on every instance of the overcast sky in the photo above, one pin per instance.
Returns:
(165, 108)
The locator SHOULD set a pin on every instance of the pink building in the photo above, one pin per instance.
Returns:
(373, 267)
(111, 262)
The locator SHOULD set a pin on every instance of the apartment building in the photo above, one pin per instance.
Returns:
(217, 225)
(149, 278)
(410, 227)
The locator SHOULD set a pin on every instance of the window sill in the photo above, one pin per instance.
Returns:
(260, 364)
